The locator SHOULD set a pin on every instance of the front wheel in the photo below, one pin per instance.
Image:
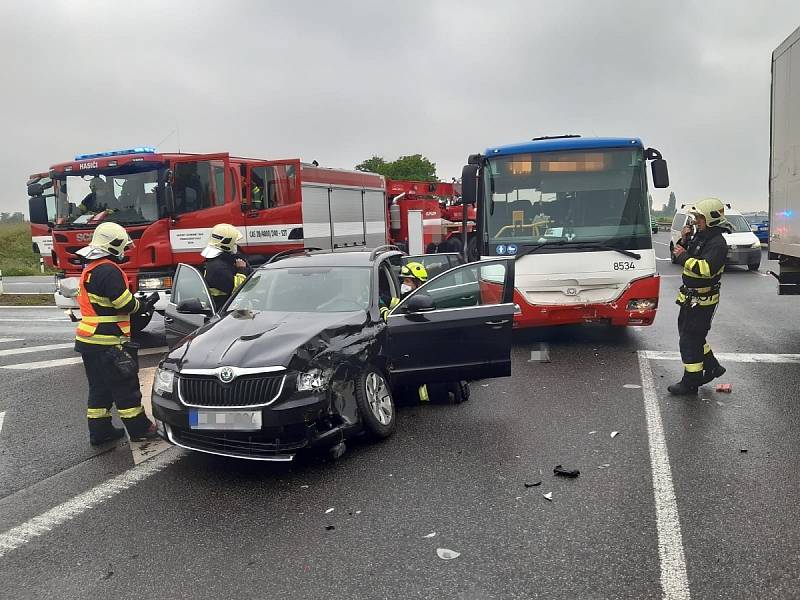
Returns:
(375, 403)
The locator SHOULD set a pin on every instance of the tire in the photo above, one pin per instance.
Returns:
(754, 267)
(375, 403)
(460, 391)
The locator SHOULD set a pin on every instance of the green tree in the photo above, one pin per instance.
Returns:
(414, 167)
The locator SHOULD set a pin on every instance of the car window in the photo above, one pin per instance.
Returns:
(387, 287)
(189, 284)
(475, 284)
(305, 289)
(677, 223)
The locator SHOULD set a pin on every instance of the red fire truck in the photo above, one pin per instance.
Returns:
(40, 185)
(169, 203)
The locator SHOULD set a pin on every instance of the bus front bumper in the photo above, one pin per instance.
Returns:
(636, 307)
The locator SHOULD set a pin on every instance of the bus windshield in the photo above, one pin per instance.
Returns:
(127, 198)
(581, 197)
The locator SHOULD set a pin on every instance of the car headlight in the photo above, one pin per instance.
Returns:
(314, 380)
(147, 284)
(164, 382)
(643, 304)
(756, 245)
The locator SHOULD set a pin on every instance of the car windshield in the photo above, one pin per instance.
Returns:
(597, 196)
(125, 198)
(305, 289)
(739, 223)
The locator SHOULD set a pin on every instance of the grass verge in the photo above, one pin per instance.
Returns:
(27, 300)
(16, 251)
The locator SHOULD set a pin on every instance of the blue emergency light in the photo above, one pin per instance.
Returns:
(140, 150)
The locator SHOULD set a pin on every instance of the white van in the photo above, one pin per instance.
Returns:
(744, 248)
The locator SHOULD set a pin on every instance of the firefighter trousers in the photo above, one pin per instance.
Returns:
(107, 387)
(694, 323)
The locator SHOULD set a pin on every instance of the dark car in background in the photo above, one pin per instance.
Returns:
(300, 356)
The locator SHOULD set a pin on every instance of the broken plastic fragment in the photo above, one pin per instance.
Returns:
(603, 466)
(564, 472)
(725, 388)
(329, 527)
(447, 554)
(743, 450)
(614, 434)
(330, 510)
(548, 496)
(358, 512)
(632, 386)
(592, 432)
(430, 535)
(533, 484)
(484, 385)
(303, 487)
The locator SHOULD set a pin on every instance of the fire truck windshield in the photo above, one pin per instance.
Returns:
(125, 198)
(585, 197)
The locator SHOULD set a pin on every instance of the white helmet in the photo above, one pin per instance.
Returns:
(108, 239)
(223, 239)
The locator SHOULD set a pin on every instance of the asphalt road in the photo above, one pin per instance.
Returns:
(191, 526)
(35, 284)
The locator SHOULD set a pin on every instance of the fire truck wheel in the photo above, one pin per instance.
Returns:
(139, 322)
(472, 249)
(375, 403)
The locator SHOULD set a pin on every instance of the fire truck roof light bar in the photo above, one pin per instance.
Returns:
(140, 150)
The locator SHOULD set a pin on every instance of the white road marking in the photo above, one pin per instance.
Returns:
(674, 581)
(22, 534)
(3, 340)
(663, 258)
(61, 362)
(2, 418)
(739, 357)
(661, 243)
(30, 349)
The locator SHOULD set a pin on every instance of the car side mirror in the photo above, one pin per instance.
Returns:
(660, 173)
(420, 303)
(193, 306)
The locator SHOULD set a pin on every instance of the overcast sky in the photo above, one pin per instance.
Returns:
(341, 81)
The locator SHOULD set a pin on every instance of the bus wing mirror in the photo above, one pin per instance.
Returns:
(469, 184)
(660, 173)
(35, 189)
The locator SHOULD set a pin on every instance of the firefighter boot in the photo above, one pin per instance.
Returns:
(100, 434)
(686, 386)
(711, 369)
(143, 435)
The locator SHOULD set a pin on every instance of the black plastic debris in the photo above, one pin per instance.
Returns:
(564, 472)
(329, 527)
(743, 450)
(533, 484)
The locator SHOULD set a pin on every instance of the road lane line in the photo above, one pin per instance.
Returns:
(2, 418)
(4, 340)
(674, 581)
(661, 243)
(738, 357)
(61, 362)
(30, 349)
(66, 511)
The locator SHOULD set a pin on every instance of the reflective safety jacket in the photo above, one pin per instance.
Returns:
(106, 304)
(222, 276)
(703, 264)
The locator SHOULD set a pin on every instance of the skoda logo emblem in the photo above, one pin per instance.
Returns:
(572, 292)
(226, 375)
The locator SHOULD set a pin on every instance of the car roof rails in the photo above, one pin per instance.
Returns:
(290, 252)
(555, 137)
(383, 248)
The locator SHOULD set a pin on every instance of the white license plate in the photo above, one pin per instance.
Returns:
(231, 420)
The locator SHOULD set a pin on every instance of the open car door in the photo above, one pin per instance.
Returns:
(188, 285)
(455, 327)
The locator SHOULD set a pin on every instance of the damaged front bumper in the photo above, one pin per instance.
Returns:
(298, 422)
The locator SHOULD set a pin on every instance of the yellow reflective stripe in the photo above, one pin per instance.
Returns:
(86, 328)
(394, 302)
(693, 367)
(123, 299)
(130, 413)
(707, 349)
(101, 340)
(104, 319)
(216, 292)
(97, 413)
(705, 268)
(100, 300)
(238, 280)
(423, 393)
(384, 312)
(125, 328)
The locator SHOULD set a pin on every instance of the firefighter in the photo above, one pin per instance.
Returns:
(224, 269)
(413, 275)
(702, 255)
(90, 203)
(102, 338)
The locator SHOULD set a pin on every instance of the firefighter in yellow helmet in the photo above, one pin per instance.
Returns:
(412, 276)
(702, 254)
(103, 338)
(225, 269)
